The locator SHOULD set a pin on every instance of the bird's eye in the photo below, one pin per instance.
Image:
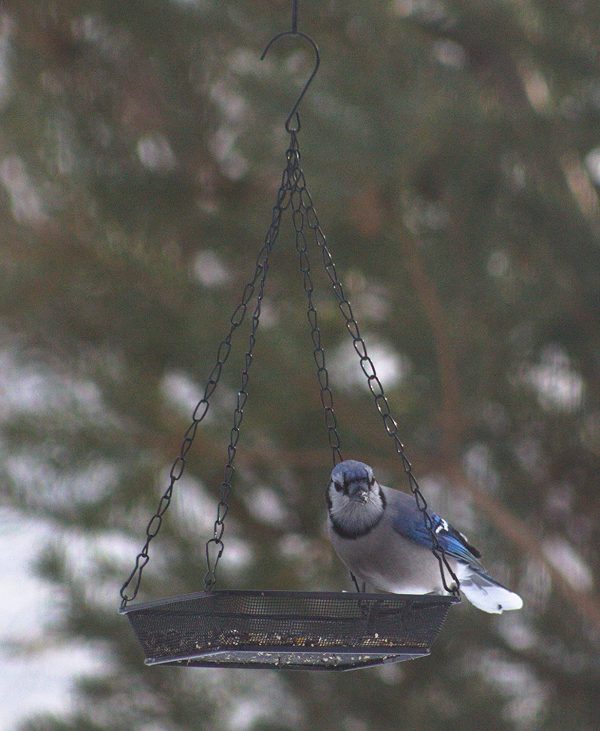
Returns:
(337, 486)
(371, 482)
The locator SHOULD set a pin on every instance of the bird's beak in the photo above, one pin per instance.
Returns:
(359, 491)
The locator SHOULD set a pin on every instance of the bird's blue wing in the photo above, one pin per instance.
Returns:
(411, 524)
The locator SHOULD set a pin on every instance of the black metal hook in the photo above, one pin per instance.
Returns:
(307, 38)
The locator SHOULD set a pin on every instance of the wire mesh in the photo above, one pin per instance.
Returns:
(289, 630)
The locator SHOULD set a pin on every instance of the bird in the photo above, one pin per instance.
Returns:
(379, 533)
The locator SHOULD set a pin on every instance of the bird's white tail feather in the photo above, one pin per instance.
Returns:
(488, 595)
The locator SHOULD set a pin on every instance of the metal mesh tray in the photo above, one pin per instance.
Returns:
(287, 629)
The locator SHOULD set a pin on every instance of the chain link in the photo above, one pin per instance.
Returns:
(304, 211)
(214, 546)
(298, 221)
(202, 407)
(292, 192)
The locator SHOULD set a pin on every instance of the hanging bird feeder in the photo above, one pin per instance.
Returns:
(286, 629)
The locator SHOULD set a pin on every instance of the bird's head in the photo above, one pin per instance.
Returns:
(355, 500)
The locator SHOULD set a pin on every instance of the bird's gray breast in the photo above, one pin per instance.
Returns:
(388, 561)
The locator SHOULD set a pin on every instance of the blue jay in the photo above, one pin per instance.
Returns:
(380, 535)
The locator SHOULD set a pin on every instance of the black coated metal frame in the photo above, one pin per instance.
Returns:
(282, 629)
(287, 629)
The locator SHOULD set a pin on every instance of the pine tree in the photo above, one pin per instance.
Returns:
(451, 149)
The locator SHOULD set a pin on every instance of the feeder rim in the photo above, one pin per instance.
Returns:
(415, 598)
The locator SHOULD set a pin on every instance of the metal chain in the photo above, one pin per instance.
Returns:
(306, 211)
(215, 544)
(292, 191)
(298, 221)
(202, 407)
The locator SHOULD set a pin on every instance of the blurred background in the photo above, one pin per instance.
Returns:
(453, 152)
